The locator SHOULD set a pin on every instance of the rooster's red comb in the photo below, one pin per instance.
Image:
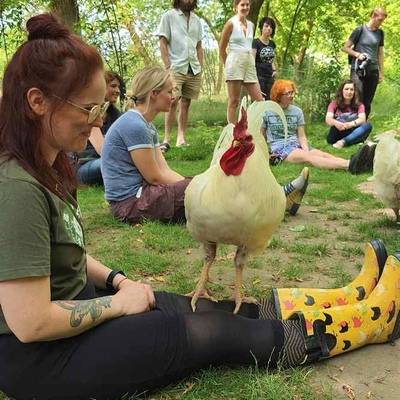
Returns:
(243, 119)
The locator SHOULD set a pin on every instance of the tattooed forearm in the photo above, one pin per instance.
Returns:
(81, 308)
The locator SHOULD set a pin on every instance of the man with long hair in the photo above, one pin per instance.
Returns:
(180, 34)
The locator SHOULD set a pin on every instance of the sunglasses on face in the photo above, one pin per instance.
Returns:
(93, 112)
(290, 93)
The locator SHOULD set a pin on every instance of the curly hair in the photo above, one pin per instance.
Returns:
(355, 101)
(279, 87)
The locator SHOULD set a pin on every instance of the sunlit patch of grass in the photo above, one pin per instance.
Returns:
(342, 237)
(312, 249)
(312, 231)
(341, 277)
(166, 237)
(349, 251)
(382, 228)
(333, 217)
(294, 271)
(276, 242)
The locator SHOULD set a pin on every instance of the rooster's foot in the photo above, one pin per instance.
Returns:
(239, 299)
(197, 294)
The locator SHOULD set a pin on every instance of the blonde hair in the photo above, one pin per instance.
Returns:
(147, 80)
(378, 10)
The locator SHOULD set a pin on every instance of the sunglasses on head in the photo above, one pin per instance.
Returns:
(93, 112)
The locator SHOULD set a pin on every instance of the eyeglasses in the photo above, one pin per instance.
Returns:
(93, 112)
(291, 93)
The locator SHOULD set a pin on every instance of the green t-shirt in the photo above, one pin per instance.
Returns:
(40, 235)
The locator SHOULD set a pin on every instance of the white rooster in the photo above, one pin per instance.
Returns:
(387, 172)
(236, 200)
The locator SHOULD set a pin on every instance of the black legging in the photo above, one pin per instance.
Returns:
(140, 352)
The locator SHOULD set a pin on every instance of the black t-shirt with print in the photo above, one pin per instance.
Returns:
(265, 54)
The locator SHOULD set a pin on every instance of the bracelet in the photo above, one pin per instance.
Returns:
(110, 278)
(354, 123)
(119, 283)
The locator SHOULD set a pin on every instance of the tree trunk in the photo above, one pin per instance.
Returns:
(255, 10)
(67, 11)
(267, 7)
(300, 56)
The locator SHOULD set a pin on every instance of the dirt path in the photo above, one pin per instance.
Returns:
(372, 372)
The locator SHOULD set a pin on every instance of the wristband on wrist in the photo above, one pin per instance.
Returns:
(110, 278)
(354, 123)
(119, 283)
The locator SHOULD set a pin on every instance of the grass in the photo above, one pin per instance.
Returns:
(322, 246)
(244, 384)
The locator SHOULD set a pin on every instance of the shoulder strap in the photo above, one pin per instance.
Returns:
(357, 38)
(360, 30)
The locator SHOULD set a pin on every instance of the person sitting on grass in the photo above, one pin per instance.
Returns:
(137, 179)
(72, 328)
(89, 162)
(295, 148)
(346, 117)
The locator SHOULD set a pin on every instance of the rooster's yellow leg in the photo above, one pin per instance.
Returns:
(240, 261)
(210, 250)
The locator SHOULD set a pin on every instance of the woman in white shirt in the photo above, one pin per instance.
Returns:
(239, 62)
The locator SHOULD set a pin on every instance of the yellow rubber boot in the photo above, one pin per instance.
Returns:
(289, 300)
(375, 320)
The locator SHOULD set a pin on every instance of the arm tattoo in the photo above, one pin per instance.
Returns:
(79, 309)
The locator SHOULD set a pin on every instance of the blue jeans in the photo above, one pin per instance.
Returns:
(349, 136)
(90, 172)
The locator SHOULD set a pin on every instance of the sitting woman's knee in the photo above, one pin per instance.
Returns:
(367, 126)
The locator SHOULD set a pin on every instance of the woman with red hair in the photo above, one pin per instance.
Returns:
(295, 147)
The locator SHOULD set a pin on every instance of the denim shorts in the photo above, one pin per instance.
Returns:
(283, 151)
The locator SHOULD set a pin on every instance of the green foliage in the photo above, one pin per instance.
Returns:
(317, 83)
(13, 14)
(309, 37)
